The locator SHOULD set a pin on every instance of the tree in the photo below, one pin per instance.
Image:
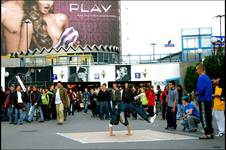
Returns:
(214, 64)
(190, 79)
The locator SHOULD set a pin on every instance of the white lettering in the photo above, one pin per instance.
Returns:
(106, 9)
(86, 9)
(73, 7)
(82, 9)
(95, 8)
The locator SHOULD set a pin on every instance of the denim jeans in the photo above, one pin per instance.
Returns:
(32, 110)
(11, 114)
(28, 106)
(135, 107)
(180, 108)
(86, 103)
(191, 122)
(104, 109)
(19, 113)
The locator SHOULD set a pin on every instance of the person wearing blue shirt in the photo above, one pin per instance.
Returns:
(191, 119)
(204, 92)
(86, 97)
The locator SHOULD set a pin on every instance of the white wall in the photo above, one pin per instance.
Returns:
(95, 71)
(58, 70)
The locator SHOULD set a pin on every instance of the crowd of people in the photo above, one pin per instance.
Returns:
(118, 103)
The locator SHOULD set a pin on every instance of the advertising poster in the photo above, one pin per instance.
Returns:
(123, 73)
(50, 24)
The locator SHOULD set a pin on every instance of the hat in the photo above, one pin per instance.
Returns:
(185, 97)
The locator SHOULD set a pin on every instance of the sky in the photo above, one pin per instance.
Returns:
(146, 22)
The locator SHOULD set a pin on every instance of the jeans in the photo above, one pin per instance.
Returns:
(104, 109)
(135, 107)
(179, 111)
(19, 113)
(191, 122)
(32, 110)
(28, 106)
(86, 103)
(11, 114)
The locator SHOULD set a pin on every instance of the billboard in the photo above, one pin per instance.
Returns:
(52, 24)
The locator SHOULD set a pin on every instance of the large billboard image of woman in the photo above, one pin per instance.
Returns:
(54, 24)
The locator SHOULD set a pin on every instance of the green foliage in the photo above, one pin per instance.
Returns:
(190, 79)
(214, 64)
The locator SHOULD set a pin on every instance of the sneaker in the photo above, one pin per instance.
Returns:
(219, 134)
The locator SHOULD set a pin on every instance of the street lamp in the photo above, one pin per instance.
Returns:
(199, 51)
(220, 16)
(213, 41)
(153, 44)
(27, 21)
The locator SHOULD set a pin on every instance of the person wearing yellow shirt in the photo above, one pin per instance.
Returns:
(218, 111)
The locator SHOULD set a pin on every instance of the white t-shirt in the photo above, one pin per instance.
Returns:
(57, 97)
(19, 95)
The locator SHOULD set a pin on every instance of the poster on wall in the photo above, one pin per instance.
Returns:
(123, 73)
(29, 76)
(60, 73)
(58, 23)
(102, 73)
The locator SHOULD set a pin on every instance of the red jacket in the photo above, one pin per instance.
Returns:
(151, 97)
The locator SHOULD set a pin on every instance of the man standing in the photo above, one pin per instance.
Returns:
(19, 106)
(11, 108)
(86, 99)
(61, 100)
(171, 106)
(204, 92)
(104, 98)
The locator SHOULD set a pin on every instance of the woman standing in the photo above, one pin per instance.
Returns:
(45, 104)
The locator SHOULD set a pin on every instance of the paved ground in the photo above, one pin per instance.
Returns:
(50, 135)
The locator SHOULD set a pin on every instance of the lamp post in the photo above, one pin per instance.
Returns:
(153, 44)
(220, 16)
(27, 21)
(213, 41)
(199, 51)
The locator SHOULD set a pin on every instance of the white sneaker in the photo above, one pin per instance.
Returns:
(219, 134)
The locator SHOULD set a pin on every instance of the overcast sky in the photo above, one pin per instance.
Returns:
(145, 22)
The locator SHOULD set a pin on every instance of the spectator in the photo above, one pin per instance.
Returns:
(218, 111)
(163, 98)
(171, 109)
(104, 98)
(45, 104)
(11, 109)
(151, 100)
(36, 104)
(86, 100)
(20, 109)
(61, 100)
(27, 100)
(72, 97)
(158, 102)
(2, 100)
(52, 105)
(93, 102)
(127, 97)
(191, 119)
(180, 91)
(204, 91)
(134, 93)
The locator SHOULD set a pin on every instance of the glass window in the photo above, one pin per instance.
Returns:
(190, 42)
(101, 59)
(95, 57)
(205, 40)
(106, 57)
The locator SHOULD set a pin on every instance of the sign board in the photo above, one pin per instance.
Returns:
(169, 45)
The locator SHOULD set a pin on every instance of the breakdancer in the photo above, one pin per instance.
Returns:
(118, 115)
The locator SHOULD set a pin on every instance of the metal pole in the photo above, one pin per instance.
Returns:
(220, 25)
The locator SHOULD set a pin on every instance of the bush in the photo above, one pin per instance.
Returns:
(190, 79)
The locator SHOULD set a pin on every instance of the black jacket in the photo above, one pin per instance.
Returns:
(15, 101)
(104, 96)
